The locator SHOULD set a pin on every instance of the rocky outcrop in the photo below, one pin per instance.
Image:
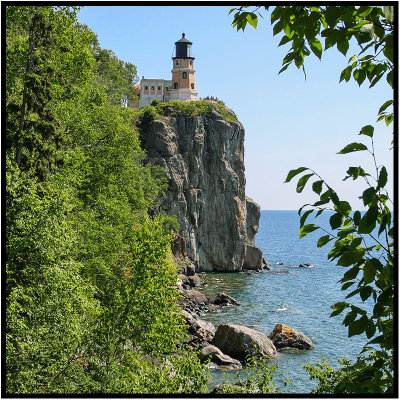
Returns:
(204, 161)
(284, 336)
(239, 341)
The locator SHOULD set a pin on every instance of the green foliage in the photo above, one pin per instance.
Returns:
(90, 281)
(364, 244)
(116, 76)
(369, 259)
(363, 377)
(177, 107)
(256, 378)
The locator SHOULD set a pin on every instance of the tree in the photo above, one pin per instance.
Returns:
(363, 243)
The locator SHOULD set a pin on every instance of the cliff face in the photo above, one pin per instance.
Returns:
(204, 159)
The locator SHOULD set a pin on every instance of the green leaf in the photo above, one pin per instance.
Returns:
(358, 327)
(346, 74)
(367, 130)
(353, 147)
(368, 221)
(351, 274)
(389, 78)
(370, 331)
(304, 217)
(316, 47)
(343, 207)
(283, 68)
(307, 229)
(338, 308)
(369, 195)
(384, 106)
(389, 119)
(388, 50)
(356, 217)
(252, 19)
(323, 240)
(343, 46)
(287, 28)
(317, 186)
(382, 180)
(364, 11)
(349, 318)
(355, 172)
(277, 28)
(302, 182)
(347, 285)
(369, 272)
(284, 40)
(292, 173)
(350, 258)
(366, 292)
(276, 13)
(336, 220)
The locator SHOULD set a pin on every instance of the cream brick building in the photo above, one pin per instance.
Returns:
(182, 86)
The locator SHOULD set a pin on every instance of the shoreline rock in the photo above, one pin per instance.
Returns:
(283, 336)
(239, 341)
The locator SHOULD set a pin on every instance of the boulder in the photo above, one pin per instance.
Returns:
(221, 360)
(285, 337)
(224, 299)
(239, 341)
(252, 258)
(194, 280)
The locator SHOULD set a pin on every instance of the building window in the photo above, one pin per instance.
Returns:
(166, 89)
(177, 62)
(159, 88)
(184, 75)
(152, 88)
(190, 62)
(192, 85)
(175, 85)
(146, 88)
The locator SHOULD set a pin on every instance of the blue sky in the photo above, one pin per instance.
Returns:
(289, 122)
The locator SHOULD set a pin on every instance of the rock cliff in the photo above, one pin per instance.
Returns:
(203, 157)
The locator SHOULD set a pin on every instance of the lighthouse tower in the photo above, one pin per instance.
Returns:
(183, 82)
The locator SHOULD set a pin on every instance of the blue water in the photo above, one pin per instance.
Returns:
(307, 293)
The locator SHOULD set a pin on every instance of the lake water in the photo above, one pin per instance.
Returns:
(306, 294)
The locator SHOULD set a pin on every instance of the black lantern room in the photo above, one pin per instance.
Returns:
(183, 48)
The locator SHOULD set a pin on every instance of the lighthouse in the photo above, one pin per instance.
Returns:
(183, 79)
(181, 87)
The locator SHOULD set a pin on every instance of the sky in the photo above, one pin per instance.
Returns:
(289, 122)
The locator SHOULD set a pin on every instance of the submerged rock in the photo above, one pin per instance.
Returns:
(284, 336)
(239, 341)
(306, 266)
(224, 299)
